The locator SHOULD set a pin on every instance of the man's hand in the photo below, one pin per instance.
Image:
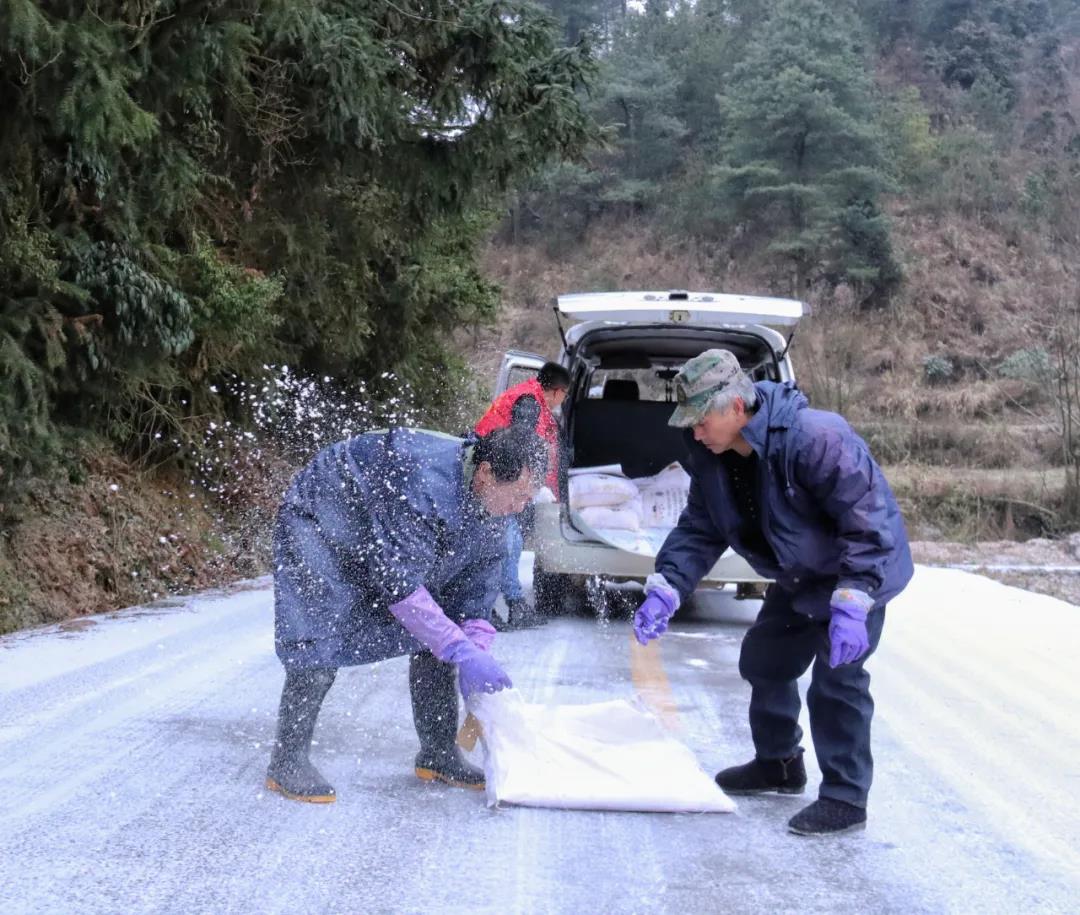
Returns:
(478, 672)
(651, 619)
(848, 640)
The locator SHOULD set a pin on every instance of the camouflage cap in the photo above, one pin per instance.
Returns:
(699, 379)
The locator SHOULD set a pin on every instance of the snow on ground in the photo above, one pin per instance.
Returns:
(132, 750)
(1041, 565)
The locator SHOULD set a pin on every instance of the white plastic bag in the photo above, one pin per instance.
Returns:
(663, 496)
(596, 489)
(602, 756)
(623, 517)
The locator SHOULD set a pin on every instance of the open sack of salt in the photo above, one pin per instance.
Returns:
(598, 756)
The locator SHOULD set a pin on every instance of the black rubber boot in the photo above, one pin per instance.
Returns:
(291, 772)
(765, 776)
(435, 714)
(519, 615)
(828, 817)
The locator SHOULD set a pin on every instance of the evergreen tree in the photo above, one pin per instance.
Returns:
(190, 189)
(580, 17)
(636, 102)
(639, 99)
(983, 40)
(802, 158)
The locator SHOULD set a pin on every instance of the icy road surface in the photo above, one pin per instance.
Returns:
(132, 753)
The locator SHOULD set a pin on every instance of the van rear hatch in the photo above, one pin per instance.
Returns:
(681, 308)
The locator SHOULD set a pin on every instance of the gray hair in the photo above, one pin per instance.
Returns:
(741, 387)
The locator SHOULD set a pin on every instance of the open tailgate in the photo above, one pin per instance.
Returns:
(681, 308)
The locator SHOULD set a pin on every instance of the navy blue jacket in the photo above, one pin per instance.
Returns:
(826, 509)
(365, 524)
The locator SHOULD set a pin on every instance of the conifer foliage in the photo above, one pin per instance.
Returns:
(191, 188)
(803, 157)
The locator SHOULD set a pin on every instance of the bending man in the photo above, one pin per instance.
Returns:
(797, 494)
(389, 544)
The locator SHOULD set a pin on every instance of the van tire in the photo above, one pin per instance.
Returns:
(552, 592)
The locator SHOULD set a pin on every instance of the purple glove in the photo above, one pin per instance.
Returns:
(478, 672)
(651, 619)
(847, 629)
(424, 619)
(480, 632)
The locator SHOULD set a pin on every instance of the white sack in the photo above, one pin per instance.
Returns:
(613, 469)
(623, 517)
(663, 496)
(601, 756)
(598, 489)
(544, 496)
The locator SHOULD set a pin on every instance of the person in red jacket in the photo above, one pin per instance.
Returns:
(531, 405)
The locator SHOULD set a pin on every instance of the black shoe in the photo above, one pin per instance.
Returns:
(450, 769)
(298, 780)
(765, 776)
(828, 817)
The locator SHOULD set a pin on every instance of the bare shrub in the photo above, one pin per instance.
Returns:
(828, 352)
(1064, 337)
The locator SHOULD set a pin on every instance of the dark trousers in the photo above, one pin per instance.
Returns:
(432, 687)
(776, 651)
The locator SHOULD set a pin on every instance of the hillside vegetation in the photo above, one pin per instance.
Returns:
(195, 193)
(910, 169)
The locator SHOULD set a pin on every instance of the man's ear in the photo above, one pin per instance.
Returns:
(482, 473)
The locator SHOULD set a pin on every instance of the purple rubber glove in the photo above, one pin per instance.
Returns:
(424, 619)
(478, 672)
(480, 632)
(651, 619)
(848, 640)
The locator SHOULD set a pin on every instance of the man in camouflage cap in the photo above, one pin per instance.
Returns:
(796, 493)
(699, 380)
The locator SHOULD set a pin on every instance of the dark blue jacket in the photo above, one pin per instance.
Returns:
(827, 511)
(366, 523)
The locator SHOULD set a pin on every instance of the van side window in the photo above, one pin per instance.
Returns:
(520, 373)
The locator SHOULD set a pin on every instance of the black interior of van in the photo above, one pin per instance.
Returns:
(620, 428)
(632, 433)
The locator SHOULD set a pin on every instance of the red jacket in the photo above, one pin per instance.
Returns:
(498, 416)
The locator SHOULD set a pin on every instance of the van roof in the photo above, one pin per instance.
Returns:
(677, 307)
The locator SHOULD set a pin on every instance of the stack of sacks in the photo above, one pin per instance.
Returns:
(606, 501)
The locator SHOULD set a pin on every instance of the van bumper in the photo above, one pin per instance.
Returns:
(561, 550)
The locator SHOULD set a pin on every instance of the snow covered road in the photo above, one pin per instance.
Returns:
(132, 753)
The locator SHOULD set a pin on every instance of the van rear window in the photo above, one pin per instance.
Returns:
(632, 384)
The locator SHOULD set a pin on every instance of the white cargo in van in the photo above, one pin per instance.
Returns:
(622, 358)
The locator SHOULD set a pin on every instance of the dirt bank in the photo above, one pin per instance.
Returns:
(1045, 566)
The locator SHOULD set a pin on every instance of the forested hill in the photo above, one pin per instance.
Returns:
(909, 167)
(230, 231)
(781, 129)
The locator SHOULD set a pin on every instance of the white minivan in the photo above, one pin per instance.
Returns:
(622, 358)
